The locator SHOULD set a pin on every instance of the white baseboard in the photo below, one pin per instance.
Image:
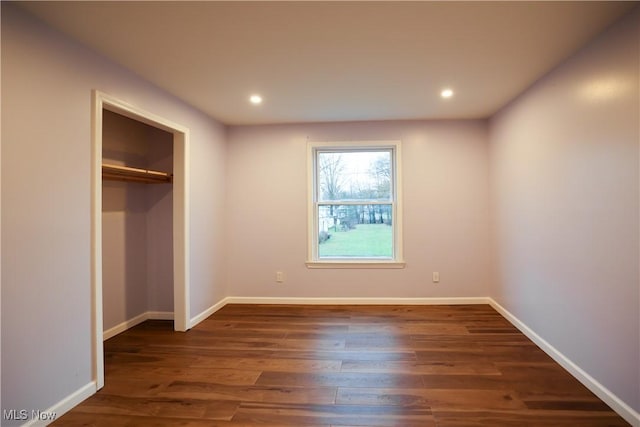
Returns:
(208, 312)
(624, 410)
(357, 301)
(159, 315)
(127, 324)
(54, 412)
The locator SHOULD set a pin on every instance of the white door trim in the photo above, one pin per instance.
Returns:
(180, 133)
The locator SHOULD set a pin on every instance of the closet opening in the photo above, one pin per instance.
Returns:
(139, 222)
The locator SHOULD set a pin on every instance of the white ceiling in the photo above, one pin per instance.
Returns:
(336, 61)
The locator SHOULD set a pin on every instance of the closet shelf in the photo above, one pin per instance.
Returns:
(126, 173)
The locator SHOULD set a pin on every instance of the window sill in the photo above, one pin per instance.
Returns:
(355, 264)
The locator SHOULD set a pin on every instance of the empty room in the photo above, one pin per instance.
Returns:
(324, 214)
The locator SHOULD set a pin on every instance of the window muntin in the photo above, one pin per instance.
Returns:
(355, 203)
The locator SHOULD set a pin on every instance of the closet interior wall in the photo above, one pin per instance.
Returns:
(137, 246)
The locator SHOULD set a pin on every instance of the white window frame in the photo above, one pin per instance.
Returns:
(313, 258)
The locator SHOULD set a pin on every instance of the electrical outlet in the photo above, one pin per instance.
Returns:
(436, 277)
(279, 276)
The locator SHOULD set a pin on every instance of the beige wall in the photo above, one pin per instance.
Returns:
(47, 81)
(564, 162)
(446, 224)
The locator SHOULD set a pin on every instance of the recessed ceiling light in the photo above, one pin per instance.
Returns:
(446, 93)
(255, 99)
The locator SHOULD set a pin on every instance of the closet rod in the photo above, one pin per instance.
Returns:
(126, 173)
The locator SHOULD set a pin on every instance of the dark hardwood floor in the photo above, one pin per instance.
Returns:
(258, 365)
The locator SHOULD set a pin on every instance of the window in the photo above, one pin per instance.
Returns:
(355, 216)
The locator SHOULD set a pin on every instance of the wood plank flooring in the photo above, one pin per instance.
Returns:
(304, 366)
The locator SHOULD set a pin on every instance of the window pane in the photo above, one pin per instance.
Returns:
(354, 175)
(361, 231)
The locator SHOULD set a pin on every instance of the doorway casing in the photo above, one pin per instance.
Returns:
(181, 309)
